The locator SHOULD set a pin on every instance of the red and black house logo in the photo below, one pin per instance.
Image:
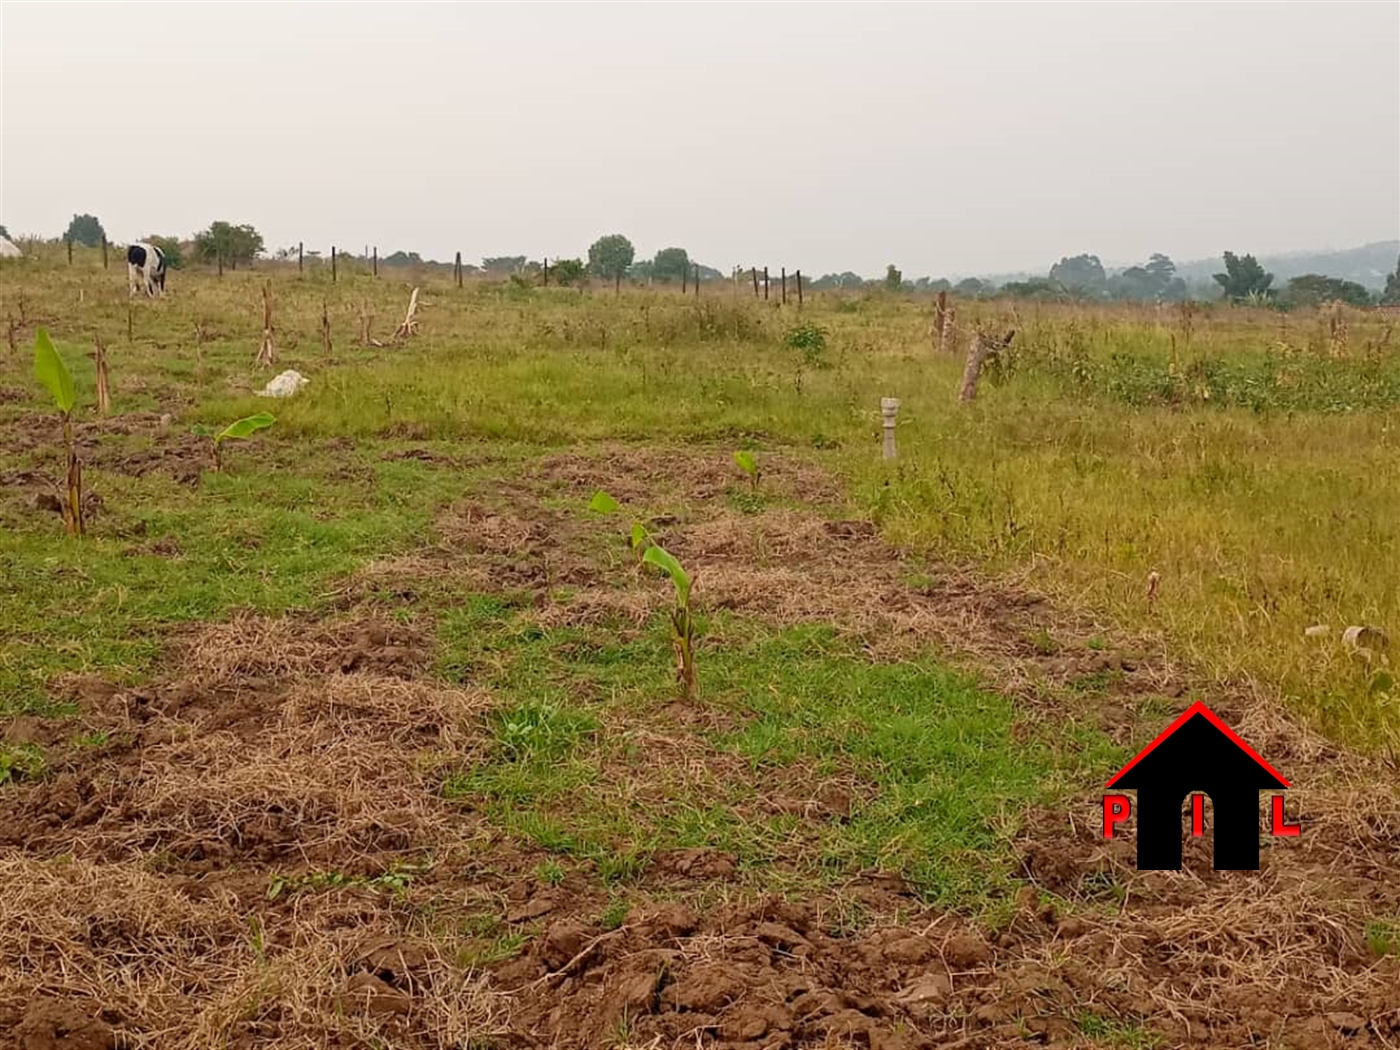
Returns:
(1196, 755)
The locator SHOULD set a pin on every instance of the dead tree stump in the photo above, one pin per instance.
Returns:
(266, 353)
(983, 347)
(408, 326)
(104, 394)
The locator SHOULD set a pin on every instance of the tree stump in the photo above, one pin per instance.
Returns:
(266, 353)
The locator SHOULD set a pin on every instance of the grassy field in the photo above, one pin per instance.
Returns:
(386, 674)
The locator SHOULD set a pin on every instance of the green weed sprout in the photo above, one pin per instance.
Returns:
(748, 465)
(50, 370)
(239, 428)
(681, 621)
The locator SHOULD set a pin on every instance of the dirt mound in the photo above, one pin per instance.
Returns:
(337, 772)
(256, 648)
(52, 1024)
(774, 974)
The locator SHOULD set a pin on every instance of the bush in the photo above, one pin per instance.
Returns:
(810, 340)
(170, 247)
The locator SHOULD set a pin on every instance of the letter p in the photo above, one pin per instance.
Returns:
(1116, 809)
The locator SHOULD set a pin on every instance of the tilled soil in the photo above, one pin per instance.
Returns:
(256, 851)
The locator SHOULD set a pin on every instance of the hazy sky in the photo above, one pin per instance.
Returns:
(946, 138)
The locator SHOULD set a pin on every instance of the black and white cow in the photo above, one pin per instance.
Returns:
(148, 262)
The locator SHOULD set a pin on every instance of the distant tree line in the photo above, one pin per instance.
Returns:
(1076, 278)
(1083, 278)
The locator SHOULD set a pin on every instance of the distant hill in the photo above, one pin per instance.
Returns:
(1367, 265)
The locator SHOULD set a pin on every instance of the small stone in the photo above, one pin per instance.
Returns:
(1070, 926)
(563, 941)
(366, 992)
(531, 909)
(966, 950)
(1346, 1023)
(932, 988)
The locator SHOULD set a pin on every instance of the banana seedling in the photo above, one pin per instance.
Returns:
(682, 622)
(50, 370)
(746, 462)
(239, 428)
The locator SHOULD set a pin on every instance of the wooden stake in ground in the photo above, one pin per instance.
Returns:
(783, 277)
(940, 314)
(326, 329)
(201, 336)
(948, 332)
(299, 255)
(799, 289)
(104, 396)
(332, 264)
(266, 354)
(983, 346)
(457, 269)
(104, 251)
(754, 273)
(408, 326)
(366, 322)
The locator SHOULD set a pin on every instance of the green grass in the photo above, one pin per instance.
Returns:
(568, 773)
(1263, 485)
(1119, 1035)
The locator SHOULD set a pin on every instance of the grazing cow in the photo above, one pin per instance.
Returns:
(147, 261)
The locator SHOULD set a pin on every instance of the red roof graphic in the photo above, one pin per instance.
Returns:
(1198, 708)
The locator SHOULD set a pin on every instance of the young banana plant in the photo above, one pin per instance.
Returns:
(682, 622)
(239, 428)
(746, 462)
(50, 370)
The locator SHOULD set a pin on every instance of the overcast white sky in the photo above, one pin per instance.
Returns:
(946, 138)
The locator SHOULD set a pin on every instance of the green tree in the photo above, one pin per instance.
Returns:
(971, 287)
(1082, 275)
(567, 271)
(232, 244)
(86, 230)
(1033, 288)
(610, 256)
(4, 232)
(171, 248)
(502, 265)
(1312, 289)
(670, 264)
(1391, 295)
(894, 280)
(1244, 278)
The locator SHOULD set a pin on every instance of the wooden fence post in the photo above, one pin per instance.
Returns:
(332, 264)
(546, 271)
(754, 273)
(799, 289)
(104, 251)
(376, 260)
(784, 280)
(697, 280)
(70, 250)
(765, 284)
(300, 254)
(458, 267)
(685, 279)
